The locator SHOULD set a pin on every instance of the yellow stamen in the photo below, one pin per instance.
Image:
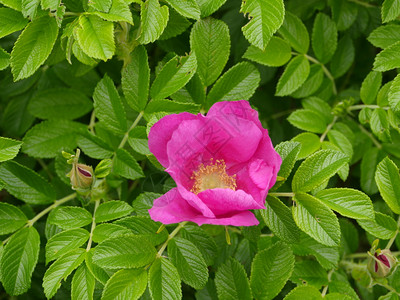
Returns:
(212, 176)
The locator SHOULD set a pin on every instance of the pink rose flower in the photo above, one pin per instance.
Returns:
(223, 164)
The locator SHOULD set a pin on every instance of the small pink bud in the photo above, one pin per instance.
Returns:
(81, 177)
(382, 264)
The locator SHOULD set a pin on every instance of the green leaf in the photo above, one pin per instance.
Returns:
(83, 283)
(370, 87)
(119, 12)
(309, 144)
(394, 94)
(210, 40)
(266, 16)
(317, 169)
(319, 106)
(308, 120)
(9, 148)
(33, 47)
(312, 83)
(369, 162)
(18, 261)
(316, 219)
(168, 106)
(187, 8)
(348, 202)
(270, 270)
(344, 13)
(343, 57)
(106, 230)
(385, 36)
(388, 58)
(59, 103)
(124, 252)
(324, 38)
(295, 74)
(60, 270)
(340, 140)
(69, 217)
(380, 125)
(173, 76)
(125, 285)
(11, 218)
(25, 184)
(64, 242)
(295, 32)
(4, 59)
(108, 106)
(138, 140)
(93, 146)
(390, 10)
(279, 220)
(309, 272)
(154, 19)
(164, 281)
(304, 292)
(126, 166)
(100, 274)
(111, 210)
(11, 21)
(288, 151)
(136, 78)
(208, 7)
(383, 227)
(144, 202)
(239, 82)
(232, 282)
(101, 5)
(48, 138)
(177, 24)
(95, 37)
(387, 178)
(276, 54)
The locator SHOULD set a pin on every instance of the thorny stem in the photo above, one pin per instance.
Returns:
(89, 245)
(390, 243)
(281, 194)
(361, 106)
(329, 127)
(170, 237)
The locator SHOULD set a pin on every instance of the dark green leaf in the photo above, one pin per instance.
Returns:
(69, 217)
(11, 218)
(295, 74)
(343, 57)
(324, 38)
(112, 210)
(295, 32)
(164, 282)
(126, 166)
(370, 87)
(387, 178)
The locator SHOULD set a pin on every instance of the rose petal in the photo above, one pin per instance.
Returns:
(260, 173)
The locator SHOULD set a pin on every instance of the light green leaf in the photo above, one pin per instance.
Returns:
(119, 12)
(100, 274)
(309, 272)
(173, 76)
(309, 144)
(276, 54)
(168, 106)
(390, 10)
(11, 218)
(370, 87)
(317, 169)
(154, 19)
(18, 261)
(29, 8)
(124, 252)
(383, 227)
(93, 146)
(210, 40)
(313, 82)
(65, 241)
(239, 82)
(385, 36)
(266, 16)
(344, 13)
(348, 202)
(270, 270)
(4, 59)
(25, 184)
(50, 4)
(126, 166)
(316, 219)
(14, 4)
(304, 292)
(95, 37)
(187, 8)
(111, 210)
(138, 140)
(295, 32)
(380, 125)
(388, 59)
(308, 120)
(177, 24)
(33, 47)
(107, 230)
(82, 56)
(208, 7)
(108, 106)
(9, 148)
(125, 285)
(295, 74)
(324, 38)
(101, 5)
(69, 217)
(394, 94)
(164, 281)
(11, 21)
(60, 270)
(340, 140)
(144, 202)
(387, 178)
(319, 106)
(232, 282)
(288, 151)
(135, 79)
(83, 283)
(343, 57)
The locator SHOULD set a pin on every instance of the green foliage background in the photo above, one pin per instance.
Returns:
(96, 75)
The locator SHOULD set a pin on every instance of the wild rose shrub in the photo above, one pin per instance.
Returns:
(83, 82)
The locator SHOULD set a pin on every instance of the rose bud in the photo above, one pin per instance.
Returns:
(81, 177)
(381, 263)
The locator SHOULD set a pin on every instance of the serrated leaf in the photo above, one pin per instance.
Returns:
(106, 230)
(33, 47)
(317, 169)
(164, 281)
(343, 57)
(309, 272)
(173, 76)
(126, 166)
(308, 120)
(187, 8)
(295, 32)
(239, 82)
(350, 238)
(83, 283)
(348, 202)
(394, 94)
(112, 210)
(144, 202)
(309, 144)
(59, 103)
(316, 219)
(304, 292)
(135, 79)
(210, 40)
(388, 59)
(390, 10)
(125, 285)
(18, 260)
(232, 282)
(312, 83)
(341, 141)
(383, 227)
(276, 54)
(100, 274)
(319, 106)
(295, 74)
(101, 5)
(9, 148)
(60, 270)
(344, 13)
(324, 38)
(93, 146)
(69, 217)
(11, 21)
(370, 87)
(380, 125)
(65, 241)
(124, 252)
(270, 270)
(25, 184)
(119, 12)
(385, 36)
(168, 106)
(266, 16)
(208, 7)
(4, 59)
(11, 218)
(154, 19)
(387, 178)
(177, 24)
(138, 140)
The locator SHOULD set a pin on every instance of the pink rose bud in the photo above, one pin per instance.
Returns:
(382, 263)
(81, 177)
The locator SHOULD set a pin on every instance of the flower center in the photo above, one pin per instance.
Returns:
(212, 176)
